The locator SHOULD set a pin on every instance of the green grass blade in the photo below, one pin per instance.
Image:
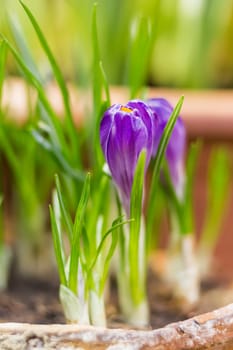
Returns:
(86, 250)
(161, 151)
(51, 58)
(141, 44)
(107, 261)
(41, 140)
(41, 93)
(3, 55)
(135, 226)
(64, 214)
(105, 85)
(96, 90)
(99, 84)
(97, 79)
(116, 224)
(58, 157)
(19, 36)
(98, 207)
(77, 229)
(58, 248)
(6, 147)
(59, 77)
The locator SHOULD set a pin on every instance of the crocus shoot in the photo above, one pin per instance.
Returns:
(182, 267)
(128, 133)
(83, 269)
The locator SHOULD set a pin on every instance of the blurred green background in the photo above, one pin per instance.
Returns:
(190, 40)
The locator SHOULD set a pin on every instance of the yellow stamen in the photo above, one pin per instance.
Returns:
(126, 109)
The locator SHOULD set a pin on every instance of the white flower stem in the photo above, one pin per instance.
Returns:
(205, 255)
(97, 309)
(135, 313)
(75, 308)
(182, 269)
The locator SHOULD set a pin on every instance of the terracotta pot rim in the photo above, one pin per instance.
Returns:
(210, 330)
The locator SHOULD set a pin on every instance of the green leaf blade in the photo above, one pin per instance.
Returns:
(58, 247)
(77, 229)
(64, 213)
(3, 56)
(135, 227)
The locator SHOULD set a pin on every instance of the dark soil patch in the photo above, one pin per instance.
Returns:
(37, 302)
(31, 302)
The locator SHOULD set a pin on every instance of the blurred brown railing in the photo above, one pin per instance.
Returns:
(206, 113)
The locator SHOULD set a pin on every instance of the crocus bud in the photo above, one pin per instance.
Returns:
(124, 132)
(175, 152)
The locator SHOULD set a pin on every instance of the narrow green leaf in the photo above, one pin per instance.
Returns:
(3, 55)
(20, 39)
(56, 70)
(85, 251)
(58, 248)
(57, 156)
(61, 83)
(64, 213)
(6, 146)
(140, 48)
(99, 158)
(161, 151)
(56, 133)
(77, 229)
(97, 205)
(96, 89)
(157, 205)
(41, 93)
(107, 261)
(122, 239)
(97, 79)
(41, 140)
(105, 85)
(99, 83)
(135, 226)
(100, 246)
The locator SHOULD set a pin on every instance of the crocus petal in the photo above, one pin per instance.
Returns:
(176, 147)
(124, 132)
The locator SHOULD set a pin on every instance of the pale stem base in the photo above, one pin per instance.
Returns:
(5, 263)
(75, 309)
(205, 255)
(35, 261)
(182, 269)
(97, 309)
(135, 314)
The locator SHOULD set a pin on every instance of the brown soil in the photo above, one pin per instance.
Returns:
(37, 302)
(32, 302)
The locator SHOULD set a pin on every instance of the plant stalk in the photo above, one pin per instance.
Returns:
(97, 309)
(135, 310)
(182, 267)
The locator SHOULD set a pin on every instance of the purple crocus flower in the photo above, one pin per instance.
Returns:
(124, 132)
(175, 152)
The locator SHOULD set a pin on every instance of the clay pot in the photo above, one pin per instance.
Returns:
(213, 330)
